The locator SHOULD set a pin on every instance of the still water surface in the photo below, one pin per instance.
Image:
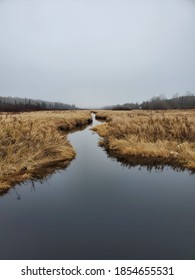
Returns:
(99, 209)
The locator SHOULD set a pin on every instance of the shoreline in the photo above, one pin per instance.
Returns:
(44, 139)
(131, 139)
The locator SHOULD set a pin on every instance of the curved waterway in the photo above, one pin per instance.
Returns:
(99, 209)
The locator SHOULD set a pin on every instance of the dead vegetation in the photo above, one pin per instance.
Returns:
(33, 143)
(166, 135)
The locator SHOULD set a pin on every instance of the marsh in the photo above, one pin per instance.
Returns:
(98, 208)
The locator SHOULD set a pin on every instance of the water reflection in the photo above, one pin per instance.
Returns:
(150, 164)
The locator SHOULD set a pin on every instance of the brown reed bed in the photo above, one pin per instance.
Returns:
(35, 144)
(168, 136)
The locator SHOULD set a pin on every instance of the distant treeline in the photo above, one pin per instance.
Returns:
(15, 104)
(160, 103)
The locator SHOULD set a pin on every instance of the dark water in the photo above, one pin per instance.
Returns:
(98, 209)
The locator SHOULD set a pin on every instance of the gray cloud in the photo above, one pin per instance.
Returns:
(96, 52)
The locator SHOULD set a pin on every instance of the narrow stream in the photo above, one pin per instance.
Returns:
(99, 209)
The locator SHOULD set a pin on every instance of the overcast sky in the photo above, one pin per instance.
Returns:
(96, 52)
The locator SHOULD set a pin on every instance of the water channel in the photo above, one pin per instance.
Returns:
(98, 208)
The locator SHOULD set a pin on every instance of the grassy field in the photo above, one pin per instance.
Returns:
(34, 144)
(168, 136)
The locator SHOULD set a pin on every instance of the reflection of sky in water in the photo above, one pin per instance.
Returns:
(98, 209)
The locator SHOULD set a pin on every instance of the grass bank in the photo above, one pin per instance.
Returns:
(166, 136)
(34, 144)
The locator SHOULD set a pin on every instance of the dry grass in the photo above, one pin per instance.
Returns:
(169, 135)
(32, 142)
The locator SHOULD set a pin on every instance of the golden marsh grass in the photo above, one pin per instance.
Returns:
(168, 135)
(30, 142)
